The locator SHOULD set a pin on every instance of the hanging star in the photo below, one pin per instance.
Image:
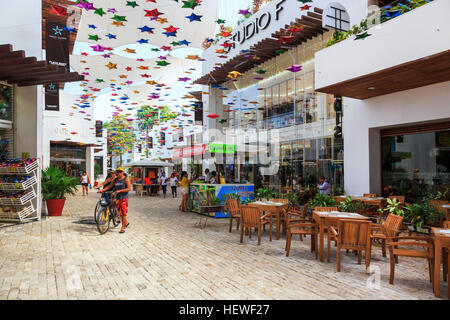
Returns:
(190, 4)
(100, 12)
(244, 12)
(194, 17)
(112, 10)
(220, 21)
(362, 36)
(118, 23)
(98, 48)
(184, 79)
(132, 4)
(185, 42)
(111, 36)
(119, 18)
(111, 66)
(153, 13)
(146, 29)
(60, 11)
(142, 41)
(294, 68)
(305, 7)
(94, 37)
(162, 63)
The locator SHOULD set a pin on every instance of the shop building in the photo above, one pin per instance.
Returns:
(283, 130)
(396, 89)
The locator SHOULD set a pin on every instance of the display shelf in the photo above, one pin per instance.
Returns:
(26, 170)
(18, 186)
(18, 201)
(26, 207)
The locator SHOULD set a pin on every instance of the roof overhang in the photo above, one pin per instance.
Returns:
(410, 75)
(74, 144)
(16, 68)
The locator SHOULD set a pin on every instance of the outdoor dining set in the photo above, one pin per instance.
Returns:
(356, 232)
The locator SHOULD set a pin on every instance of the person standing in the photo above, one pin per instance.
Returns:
(85, 181)
(207, 176)
(163, 183)
(324, 186)
(173, 184)
(185, 182)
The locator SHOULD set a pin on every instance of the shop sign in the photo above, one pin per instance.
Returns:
(188, 152)
(57, 44)
(261, 22)
(99, 129)
(52, 97)
(222, 148)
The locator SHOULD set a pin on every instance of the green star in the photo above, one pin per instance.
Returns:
(280, 51)
(362, 36)
(220, 21)
(155, 49)
(175, 43)
(190, 4)
(100, 12)
(99, 80)
(132, 4)
(94, 37)
(119, 18)
(162, 63)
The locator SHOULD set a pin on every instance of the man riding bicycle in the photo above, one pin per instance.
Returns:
(121, 186)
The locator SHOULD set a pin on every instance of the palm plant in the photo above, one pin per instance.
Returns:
(321, 200)
(56, 184)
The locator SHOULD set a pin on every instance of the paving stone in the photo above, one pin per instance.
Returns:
(164, 256)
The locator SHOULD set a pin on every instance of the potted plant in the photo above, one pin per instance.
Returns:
(56, 185)
(421, 216)
(352, 206)
(321, 200)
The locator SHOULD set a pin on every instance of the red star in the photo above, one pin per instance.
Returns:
(60, 11)
(305, 7)
(171, 29)
(128, 68)
(153, 13)
(165, 48)
(84, 54)
(145, 75)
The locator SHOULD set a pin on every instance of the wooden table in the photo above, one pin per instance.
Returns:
(273, 208)
(441, 240)
(323, 219)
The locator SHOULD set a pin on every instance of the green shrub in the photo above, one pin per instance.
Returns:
(56, 184)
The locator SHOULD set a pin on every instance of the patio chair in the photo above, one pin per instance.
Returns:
(233, 209)
(302, 227)
(352, 235)
(251, 218)
(395, 245)
(392, 224)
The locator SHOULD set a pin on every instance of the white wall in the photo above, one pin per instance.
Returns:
(420, 33)
(364, 119)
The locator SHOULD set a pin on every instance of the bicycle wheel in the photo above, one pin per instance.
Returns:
(115, 216)
(103, 220)
(97, 208)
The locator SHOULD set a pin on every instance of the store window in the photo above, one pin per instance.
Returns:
(6, 102)
(70, 159)
(415, 165)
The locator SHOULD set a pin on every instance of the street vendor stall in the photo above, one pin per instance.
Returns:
(144, 175)
(209, 199)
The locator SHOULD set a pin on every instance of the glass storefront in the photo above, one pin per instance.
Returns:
(415, 165)
(300, 120)
(70, 159)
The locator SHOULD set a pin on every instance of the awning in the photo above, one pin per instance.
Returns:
(267, 48)
(74, 144)
(16, 68)
(149, 164)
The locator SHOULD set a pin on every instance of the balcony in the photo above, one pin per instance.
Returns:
(410, 51)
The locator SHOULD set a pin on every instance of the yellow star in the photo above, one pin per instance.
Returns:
(123, 76)
(112, 80)
(234, 74)
(118, 23)
(112, 65)
(130, 50)
(137, 92)
(162, 20)
(192, 57)
(151, 82)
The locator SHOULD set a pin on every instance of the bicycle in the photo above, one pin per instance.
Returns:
(107, 212)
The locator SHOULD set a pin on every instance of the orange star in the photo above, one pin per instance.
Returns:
(118, 23)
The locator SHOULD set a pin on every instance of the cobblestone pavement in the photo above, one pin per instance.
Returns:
(164, 256)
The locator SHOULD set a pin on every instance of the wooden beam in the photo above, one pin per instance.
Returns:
(12, 54)
(43, 82)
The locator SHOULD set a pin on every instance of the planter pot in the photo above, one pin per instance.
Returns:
(55, 207)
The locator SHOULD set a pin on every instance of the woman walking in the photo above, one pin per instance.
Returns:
(163, 183)
(85, 181)
(185, 182)
(173, 184)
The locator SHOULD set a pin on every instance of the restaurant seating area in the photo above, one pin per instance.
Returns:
(383, 229)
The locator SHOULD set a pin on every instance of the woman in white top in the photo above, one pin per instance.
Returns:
(85, 181)
(173, 185)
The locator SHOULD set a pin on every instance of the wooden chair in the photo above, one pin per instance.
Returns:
(330, 236)
(439, 218)
(298, 214)
(352, 235)
(301, 227)
(395, 251)
(251, 218)
(392, 224)
(370, 195)
(233, 209)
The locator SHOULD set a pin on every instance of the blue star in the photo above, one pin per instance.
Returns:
(92, 26)
(171, 34)
(142, 41)
(57, 30)
(146, 29)
(210, 40)
(70, 29)
(185, 42)
(111, 36)
(194, 17)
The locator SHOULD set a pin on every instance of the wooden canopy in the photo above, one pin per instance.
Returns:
(267, 49)
(16, 68)
(410, 75)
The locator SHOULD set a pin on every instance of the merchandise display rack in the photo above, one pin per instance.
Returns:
(24, 208)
